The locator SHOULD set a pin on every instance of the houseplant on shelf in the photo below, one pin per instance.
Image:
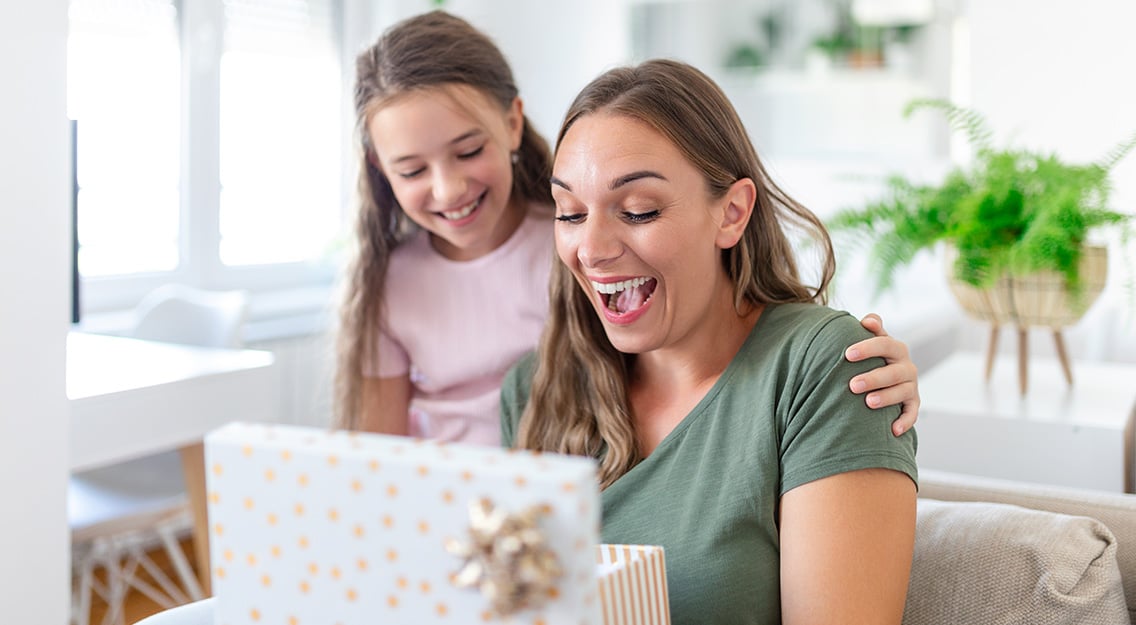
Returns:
(1016, 223)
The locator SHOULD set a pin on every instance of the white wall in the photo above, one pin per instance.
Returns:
(554, 47)
(306, 366)
(34, 226)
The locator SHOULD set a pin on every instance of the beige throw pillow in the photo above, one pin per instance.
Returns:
(998, 564)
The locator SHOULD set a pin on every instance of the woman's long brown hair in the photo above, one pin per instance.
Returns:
(429, 51)
(579, 397)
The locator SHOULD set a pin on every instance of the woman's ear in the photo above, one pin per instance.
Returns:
(739, 200)
(516, 120)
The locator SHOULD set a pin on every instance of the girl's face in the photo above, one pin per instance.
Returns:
(447, 153)
(638, 229)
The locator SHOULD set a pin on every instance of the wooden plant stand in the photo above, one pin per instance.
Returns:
(1023, 355)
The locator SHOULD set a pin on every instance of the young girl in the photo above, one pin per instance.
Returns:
(449, 287)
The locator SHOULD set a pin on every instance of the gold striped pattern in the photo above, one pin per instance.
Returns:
(633, 591)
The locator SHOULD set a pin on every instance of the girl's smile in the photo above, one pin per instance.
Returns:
(463, 212)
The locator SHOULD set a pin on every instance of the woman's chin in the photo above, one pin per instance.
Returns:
(625, 340)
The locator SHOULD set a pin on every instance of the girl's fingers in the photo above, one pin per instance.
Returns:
(886, 347)
(896, 373)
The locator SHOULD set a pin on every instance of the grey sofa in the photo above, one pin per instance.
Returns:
(991, 552)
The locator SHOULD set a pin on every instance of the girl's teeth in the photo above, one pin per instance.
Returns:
(615, 287)
(461, 212)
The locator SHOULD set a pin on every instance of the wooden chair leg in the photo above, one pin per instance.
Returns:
(1023, 359)
(193, 466)
(991, 350)
(1062, 356)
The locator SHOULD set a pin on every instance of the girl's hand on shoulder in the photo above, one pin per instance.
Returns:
(894, 383)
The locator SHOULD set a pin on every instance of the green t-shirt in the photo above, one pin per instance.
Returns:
(781, 415)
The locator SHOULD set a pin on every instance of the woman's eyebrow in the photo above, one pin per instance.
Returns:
(618, 182)
(632, 177)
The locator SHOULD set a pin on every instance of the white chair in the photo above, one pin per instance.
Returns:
(196, 613)
(119, 513)
(175, 313)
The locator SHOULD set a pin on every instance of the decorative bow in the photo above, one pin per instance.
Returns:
(506, 557)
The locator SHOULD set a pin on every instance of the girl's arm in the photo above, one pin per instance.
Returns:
(846, 548)
(386, 405)
(895, 382)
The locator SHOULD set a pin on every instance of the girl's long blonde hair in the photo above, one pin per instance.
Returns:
(427, 51)
(579, 397)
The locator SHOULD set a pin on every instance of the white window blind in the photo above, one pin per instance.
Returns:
(123, 77)
(280, 131)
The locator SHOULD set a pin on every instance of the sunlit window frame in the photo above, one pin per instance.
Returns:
(200, 28)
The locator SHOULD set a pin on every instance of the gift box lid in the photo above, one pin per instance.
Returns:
(316, 526)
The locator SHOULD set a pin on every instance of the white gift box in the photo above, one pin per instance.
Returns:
(310, 526)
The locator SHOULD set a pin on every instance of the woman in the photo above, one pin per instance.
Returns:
(685, 352)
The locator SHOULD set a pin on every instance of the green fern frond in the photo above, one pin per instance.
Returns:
(970, 123)
(1117, 153)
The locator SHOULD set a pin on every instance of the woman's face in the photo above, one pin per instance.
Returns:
(639, 231)
(447, 154)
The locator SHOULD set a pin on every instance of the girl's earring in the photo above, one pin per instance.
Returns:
(515, 156)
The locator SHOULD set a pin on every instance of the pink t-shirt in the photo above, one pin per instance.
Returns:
(458, 326)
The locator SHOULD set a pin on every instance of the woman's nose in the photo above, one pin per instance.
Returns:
(599, 241)
(449, 185)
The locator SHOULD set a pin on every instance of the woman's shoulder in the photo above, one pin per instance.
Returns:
(519, 377)
(515, 396)
(805, 323)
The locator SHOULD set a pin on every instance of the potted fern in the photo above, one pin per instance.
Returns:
(1016, 223)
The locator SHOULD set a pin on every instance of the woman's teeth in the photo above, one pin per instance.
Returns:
(461, 212)
(615, 287)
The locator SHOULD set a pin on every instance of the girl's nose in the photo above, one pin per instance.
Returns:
(448, 186)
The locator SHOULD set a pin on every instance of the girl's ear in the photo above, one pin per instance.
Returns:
(515, 118)
(738, 208)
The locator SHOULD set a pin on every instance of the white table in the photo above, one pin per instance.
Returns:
(132, 398)
(1080, 436)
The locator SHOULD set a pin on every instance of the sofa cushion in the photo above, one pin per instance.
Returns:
(998, 564)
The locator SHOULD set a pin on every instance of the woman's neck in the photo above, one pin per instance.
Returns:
(667, 384)
(701, 357)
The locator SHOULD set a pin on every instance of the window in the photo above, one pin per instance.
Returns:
(209, 144)
(123, 86)
(279, 131)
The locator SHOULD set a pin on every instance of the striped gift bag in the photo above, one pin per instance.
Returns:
(633, 585)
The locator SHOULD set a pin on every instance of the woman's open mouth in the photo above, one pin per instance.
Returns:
(626, 296)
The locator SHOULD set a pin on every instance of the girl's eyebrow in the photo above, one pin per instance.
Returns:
(462, 137)
(618, 182)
